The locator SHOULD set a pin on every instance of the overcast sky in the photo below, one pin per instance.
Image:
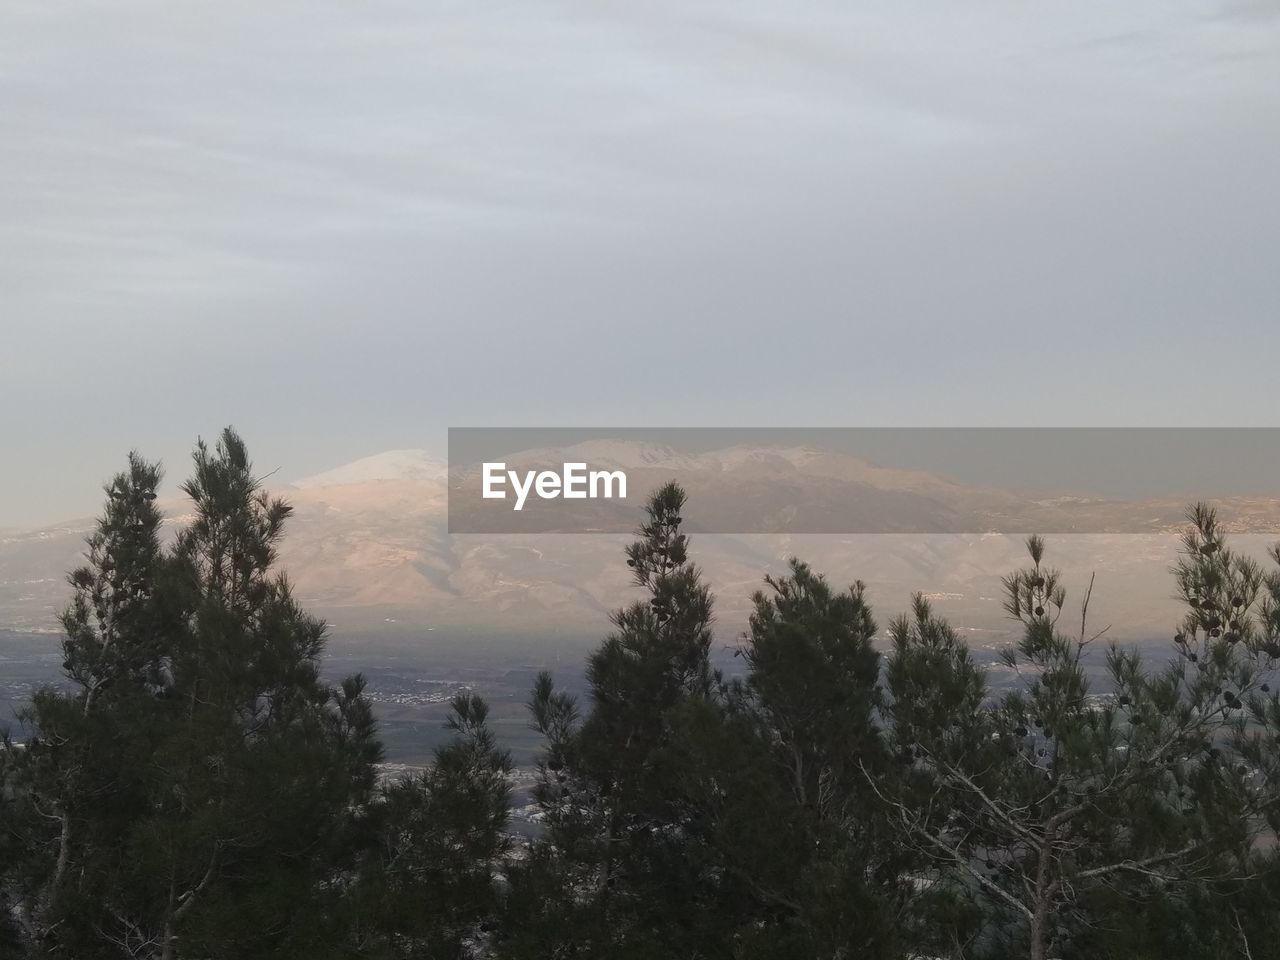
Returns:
(344, 227)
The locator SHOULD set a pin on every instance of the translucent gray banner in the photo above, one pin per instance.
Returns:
(863, 480)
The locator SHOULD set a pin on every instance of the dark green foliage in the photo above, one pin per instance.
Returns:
(813, 679)
(619, 838)
(194, 793)
(11, 947)
(74, 789)
(198, 791)
(1227, 919)
(823, 806)
(1057, 808)
(776, 771)
(426, 887)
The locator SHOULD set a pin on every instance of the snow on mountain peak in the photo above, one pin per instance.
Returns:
(392, 465)
(627, 453)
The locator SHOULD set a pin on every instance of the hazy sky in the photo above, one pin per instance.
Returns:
(346, 226)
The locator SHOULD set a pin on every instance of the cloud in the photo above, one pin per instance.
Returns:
(347, 226)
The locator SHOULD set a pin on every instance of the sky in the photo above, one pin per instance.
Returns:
(344, 227)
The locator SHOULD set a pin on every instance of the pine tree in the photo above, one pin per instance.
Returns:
(813, 676)
(195, 789)
(1050, 800)
(426, 886)
(774, 773)
(263, 762)
(195, 792)
(77, 784)
(617, 839)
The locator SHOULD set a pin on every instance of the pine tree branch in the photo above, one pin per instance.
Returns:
(953, 854)
(1139, 866)
(187, 899)
(1003, 814)
(1244, 939)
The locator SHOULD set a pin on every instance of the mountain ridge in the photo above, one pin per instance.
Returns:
(368, 547)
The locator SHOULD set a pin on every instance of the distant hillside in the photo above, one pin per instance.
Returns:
(368, 548)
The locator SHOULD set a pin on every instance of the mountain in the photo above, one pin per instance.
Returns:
(410, 465)
(369, 549)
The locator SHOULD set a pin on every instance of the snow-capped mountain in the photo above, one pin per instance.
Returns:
(414, 465)
(369, 545)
